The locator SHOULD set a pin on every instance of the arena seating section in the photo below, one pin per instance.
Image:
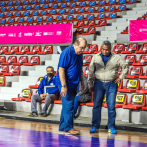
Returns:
(86, 16)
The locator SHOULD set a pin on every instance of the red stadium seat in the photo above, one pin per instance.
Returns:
(48, 49)
(15, 70)
(137, 101)
(110, 3)
(35, 49)
(79, 17)
(125, 31)
(91, 49)
(2, 59)
(120, 85)
(24, 50)
(87, 59)
(86, 71)
(4, 69)
(104, 104)
(143, 76)
(144, 88)
(100, 16)
(24, 95)
(111, 9)
(118, 48)
(37, 83)
(90, 23)
(90, 30)
(10, 60)
(143, 49)
(34, 60)
(89, 103)
(101, 23)
(130, 59)
(2, 80)
(78, 31)
(121, 100)
(131, 86)
(142, 60)
(21, 61)
(12, 50)
(111, 16)
(79, 24)
(131, 48)
(135, 72)
(89, 17)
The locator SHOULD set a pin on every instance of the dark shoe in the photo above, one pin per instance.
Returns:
(33, 114)
(42, 115)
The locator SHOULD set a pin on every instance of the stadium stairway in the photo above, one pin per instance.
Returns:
(110, 32)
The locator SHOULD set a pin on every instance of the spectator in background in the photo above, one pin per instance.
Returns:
(68, 76)
(82, 96)
(48, 80)
(104, 66)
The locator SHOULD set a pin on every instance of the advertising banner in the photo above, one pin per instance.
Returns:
(41, 34)
(138, 30)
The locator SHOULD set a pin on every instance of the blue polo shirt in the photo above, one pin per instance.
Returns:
(72, 63)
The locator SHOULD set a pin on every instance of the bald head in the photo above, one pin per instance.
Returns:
(79, 45)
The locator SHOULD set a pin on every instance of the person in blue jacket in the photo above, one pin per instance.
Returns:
(48, 80)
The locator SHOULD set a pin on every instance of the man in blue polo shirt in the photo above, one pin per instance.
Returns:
(48, 80)
(68, 76)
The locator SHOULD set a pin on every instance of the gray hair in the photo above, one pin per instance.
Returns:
(107, 43)
(77, 41)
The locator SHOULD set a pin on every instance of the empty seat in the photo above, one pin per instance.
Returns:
(90, 17)
(135, 72)
(79, 24)
(143, 90)
(35, 49)
(2, 59)
(131, 86)
(21, 60)
(142, 60)
(111, 9)
(69, 18)
(4, 69)
(91, 10)
(24, 49)
(13, 50)
(87, 59)
(125, 31)
(79, 31)
(24, 95)
(101, 23)
(111, 15)
(90, 23)
(121, 8)
(101, 3)
(14, 70)
(91, 49)
(34, 60)
(2, 80)
(143, 76)
(79, 17)
(121, 100)
(10, 60)
(37, 83)
(86, 71)
(130, 59)
(137, 101)
(3, 49)
(100, 16)
(90, 30)
(131, 48)
(118, 48)
(59, 101)
(101, 9)
(143, 49)
(49, 19)
(48, 49)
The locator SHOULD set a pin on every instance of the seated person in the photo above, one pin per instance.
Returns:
(82, 97)
(48, 80)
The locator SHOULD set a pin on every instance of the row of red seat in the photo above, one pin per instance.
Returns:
(23, 60)
(137, 101)
(71, 4)
(37, 49)
(63, 12)
(69, 18)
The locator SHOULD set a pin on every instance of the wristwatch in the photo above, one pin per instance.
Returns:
(64, 86)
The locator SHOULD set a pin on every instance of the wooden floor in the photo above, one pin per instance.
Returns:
(16, 133)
